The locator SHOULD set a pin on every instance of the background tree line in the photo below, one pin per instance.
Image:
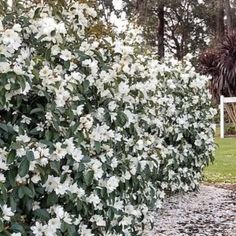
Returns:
(179, 26)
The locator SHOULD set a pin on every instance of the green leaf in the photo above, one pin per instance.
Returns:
(52, 199)
(97, 146)
(21, 193)
(13, 203)
(36, 110)
(80, 137)
(22, 82)
(30, 155)
(24, 168)
(71, 230)
(2, 99)
(15, 146)
(67, 65)
(48, 51)
(121, 118)
(28, 192)
(48, 135)
(42, 214)
(63, 227)
(88, 177)
(28, 203)
(3, 192)
(79, 205)
(11, 157)
(55, 165)
(17, 228)
(110, 214)
(3, 127)
(1, 226)
(11, 176)
(37, 12)
(98, 56)
(85, 86)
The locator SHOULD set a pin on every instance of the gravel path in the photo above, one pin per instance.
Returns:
(210, 212)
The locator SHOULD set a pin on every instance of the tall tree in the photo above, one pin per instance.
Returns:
(228, 13)
(161, 31)
(220, 26)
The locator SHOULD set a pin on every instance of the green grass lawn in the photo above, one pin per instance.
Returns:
(224, 167)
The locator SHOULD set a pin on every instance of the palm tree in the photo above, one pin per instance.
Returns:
(220, 64)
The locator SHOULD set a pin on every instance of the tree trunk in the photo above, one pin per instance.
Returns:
(228, 13)
(141, 9)
(161, 31)
(220, 26)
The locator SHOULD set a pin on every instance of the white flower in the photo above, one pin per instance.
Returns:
(80, 192)
(79, 110)
(198, 142)
(25, 120)
(17, 27)
(40, 127)
(93, 66)
(35, 179)
(38, 229)
(119, 205)
(23, 138)
(16, 234)
(62, 96)
(98, 220)
(91, 11)
(59, 211)
(61, 29)
(55, 50)
(85, 231)
(97, 168)
(11, 39)
(127, 220)
(60, 151)
(112, 106)
(45, 72)
(45, 26)
(123, 88)
(49, 116)
(66, 55)
(54, 224)
(6, 212)
(4, 67)
(67, 218)
(86, 122)
(2, 178)
(112, 183)
(52, 183)
(94, 199)
(18, 69)
(102, 133)
(77, 155)
(1, 25)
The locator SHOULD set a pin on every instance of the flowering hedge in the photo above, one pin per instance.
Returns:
(92, 132)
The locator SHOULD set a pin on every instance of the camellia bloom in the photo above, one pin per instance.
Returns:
(6, 212)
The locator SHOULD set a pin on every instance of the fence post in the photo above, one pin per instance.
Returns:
(222, 116)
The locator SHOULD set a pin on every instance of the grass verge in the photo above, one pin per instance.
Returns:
(224, 168)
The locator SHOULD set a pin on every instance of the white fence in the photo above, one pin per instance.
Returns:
(224, 100)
